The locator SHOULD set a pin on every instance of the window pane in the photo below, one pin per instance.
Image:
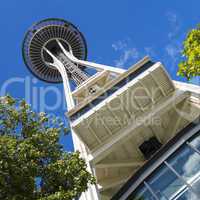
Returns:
(196, 187)
(186, 195)
(165, 183)
(186, 162)
(142, 194)
(196, 142)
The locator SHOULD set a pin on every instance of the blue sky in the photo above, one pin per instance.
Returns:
(118, 33)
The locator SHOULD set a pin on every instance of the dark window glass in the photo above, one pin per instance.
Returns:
(196, 142)
(186, 162)
(165, 183)
(196, 188)
(176, 179)
(142, 194)
(186, 195)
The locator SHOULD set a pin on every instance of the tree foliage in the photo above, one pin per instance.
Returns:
(190, 66)
(33, 165)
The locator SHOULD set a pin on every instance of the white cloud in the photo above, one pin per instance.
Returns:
(175, 24)
(150, 51)
(172, 50)
(174, 43)
(172, 17)
(127, 55)
(119, 45)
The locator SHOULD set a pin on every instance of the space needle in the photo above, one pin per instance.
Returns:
(54, 50)
(113, 112)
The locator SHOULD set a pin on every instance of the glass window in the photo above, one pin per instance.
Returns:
(178, 178)
(196, 142)
(186, 163)
(196, 188)
(165, 183)
(142, 194)
(186, 195)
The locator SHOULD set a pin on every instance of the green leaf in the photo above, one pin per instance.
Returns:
(190, 66)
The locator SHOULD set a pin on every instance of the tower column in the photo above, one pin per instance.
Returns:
(55, 51)
(92, 192)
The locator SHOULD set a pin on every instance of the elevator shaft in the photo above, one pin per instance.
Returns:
(77, 75)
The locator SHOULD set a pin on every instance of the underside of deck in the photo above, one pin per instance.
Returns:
(150, 105)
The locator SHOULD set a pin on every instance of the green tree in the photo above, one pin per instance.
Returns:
(190, 66)
(33, 165)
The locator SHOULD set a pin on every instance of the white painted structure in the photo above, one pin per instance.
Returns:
(114, 111)
(125, 109)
